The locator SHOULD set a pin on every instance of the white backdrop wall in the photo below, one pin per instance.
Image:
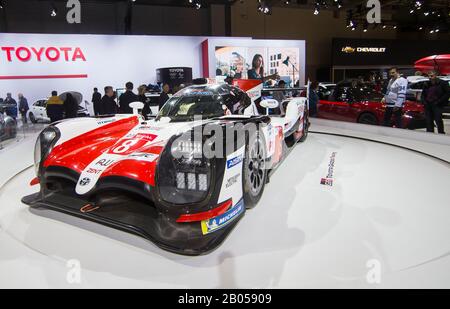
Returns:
(109, 60)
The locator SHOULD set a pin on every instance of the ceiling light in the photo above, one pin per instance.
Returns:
(53, 11)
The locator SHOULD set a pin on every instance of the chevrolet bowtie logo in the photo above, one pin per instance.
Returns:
(348, 49)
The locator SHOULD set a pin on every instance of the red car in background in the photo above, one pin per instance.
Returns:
(360, 103)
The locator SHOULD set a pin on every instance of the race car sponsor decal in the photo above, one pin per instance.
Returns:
(85, 181)
(150, 128)
(93, 171)
(106, 121)
(131, 142)
(232, 180)
(234, 161)
(328, 180)
(214, 224)
(141, 156)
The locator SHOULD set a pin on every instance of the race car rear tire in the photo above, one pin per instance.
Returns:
(32, 118)
(254, 170)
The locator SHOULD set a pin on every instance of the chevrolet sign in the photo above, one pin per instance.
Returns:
(349, 50)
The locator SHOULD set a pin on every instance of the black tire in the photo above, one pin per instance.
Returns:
(306, 128)
(254, 171)
(32, 118)
(368, 118)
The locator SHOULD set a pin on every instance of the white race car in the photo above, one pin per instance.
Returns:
(183, 179)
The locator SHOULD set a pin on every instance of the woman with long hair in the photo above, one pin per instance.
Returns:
(257, 70)
(70, 106)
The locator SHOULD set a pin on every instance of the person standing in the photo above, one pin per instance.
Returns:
(11, 106)
(109, 106)
(70, 106)
(126, 98)
(394, 98)
(23, 107)
(279, 95)
(55, 107)
(146, 111)
(435, 96)
(97, 102)
(313, 98)
(164, 96)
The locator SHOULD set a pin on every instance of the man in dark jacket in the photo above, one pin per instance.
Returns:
(96, 100)
(109, 106)
(163, 97)
(435, 96)
(55, 107)
(126, 98)
(10, 106)
(23, 107)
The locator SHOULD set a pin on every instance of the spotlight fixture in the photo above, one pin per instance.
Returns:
(317, 8)
(264, 8)
(53, 10)
(365, 26)
(195, 3)
(2, 5)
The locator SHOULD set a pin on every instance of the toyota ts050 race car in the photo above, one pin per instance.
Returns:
(181, 180)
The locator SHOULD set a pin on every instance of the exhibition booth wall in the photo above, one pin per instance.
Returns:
(36, 64)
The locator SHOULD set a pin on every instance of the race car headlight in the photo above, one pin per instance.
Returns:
(185, 175)
(44, 144)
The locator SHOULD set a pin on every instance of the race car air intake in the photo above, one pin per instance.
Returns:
(184, 173)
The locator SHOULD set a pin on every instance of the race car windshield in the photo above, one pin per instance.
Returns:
(186, 107)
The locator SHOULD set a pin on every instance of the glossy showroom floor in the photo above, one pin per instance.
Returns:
(388, 212)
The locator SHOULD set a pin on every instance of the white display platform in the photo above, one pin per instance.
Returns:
(388, 207)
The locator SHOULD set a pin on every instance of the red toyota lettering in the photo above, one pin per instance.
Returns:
(8, 52)
(66, 52)
(23, 50)
(38, 53)
(78, 54)
(49, 57)
(53, 54)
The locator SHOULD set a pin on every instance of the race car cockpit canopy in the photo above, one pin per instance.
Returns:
(209, 101)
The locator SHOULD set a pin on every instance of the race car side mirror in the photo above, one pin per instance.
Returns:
(136, 106)
(268, 104)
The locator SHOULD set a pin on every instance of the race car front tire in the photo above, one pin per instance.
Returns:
(254, 170)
